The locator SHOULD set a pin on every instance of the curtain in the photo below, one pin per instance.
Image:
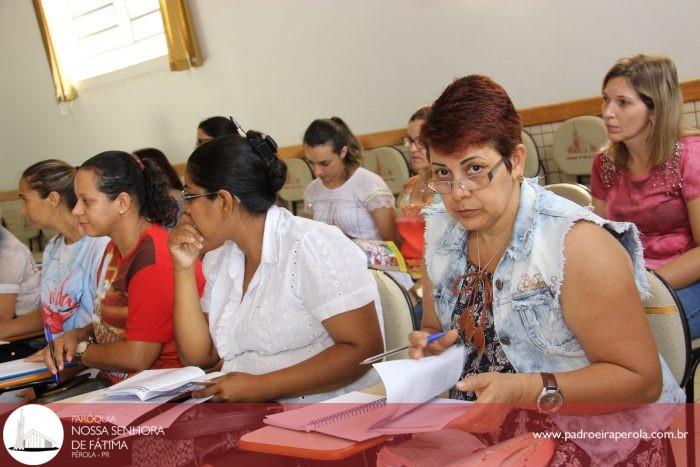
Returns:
(183, 49)
(65, 91)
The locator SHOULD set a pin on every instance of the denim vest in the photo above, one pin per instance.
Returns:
(527, 284)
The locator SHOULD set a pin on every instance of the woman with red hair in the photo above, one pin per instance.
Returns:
(509, 272)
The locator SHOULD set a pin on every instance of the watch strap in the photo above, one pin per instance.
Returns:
(549, 381)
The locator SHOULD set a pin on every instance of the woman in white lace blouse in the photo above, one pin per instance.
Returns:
(289, 305)
(344, 194)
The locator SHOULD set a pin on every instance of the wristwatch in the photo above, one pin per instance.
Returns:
(550, 398)
(82, 346)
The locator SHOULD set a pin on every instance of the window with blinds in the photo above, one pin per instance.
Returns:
(95, 37)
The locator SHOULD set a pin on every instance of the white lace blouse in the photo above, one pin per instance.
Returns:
(309, 272)
(350, 205)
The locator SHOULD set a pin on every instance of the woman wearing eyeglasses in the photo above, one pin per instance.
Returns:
(410, 224)
(126, 199)
(289, 304)
(543, 294)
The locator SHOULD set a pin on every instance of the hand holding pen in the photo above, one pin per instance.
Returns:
(417, 341)
(50, 354)
(61, 352)
(422, 346)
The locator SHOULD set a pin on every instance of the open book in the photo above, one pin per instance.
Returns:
(383, 255)
(150, 384)
(125, 406)
(410, 404)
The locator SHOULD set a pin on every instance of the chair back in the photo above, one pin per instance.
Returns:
(17, 223)
(397, 310)
(575, 192)
(575, 143)
(299, 175)
(669, 326)
(532, 162)
(406, 155)
(390, 164)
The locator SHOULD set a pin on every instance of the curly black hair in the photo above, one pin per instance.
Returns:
(120, 172)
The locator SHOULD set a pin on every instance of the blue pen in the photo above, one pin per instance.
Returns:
(49, 343)
(431, 338)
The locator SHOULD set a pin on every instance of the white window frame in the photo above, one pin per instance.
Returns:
(145, 55)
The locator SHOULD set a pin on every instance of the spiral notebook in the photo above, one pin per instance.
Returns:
(410, 405)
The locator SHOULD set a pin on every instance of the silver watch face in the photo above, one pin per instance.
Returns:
(81, 347)
(549, 401)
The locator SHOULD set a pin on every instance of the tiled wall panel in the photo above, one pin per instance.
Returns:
(543, 135)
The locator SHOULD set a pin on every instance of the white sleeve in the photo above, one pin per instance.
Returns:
(378, 195)
(332, 273)
(14, 267)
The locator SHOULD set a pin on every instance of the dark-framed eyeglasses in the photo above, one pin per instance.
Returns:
(468, 183)
(408, 141)
(190, 196)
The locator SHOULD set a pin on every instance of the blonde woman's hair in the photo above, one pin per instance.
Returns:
(655, 79)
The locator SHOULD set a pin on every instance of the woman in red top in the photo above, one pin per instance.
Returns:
(126, 199)
(415, 195)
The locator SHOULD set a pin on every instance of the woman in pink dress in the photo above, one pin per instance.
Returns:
(649, 172)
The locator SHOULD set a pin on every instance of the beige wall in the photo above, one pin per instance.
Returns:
(277, 64)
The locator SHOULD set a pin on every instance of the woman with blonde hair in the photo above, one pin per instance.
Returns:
(649, 172)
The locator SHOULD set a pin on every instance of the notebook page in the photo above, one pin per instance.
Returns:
(416, 381)
(163, 380)
(14, 368)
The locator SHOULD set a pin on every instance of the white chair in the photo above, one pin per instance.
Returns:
(390, 164)
(576, 142)
(575, 192)
(299, 175)
(669, 326)
(397, 310)
(533, 165)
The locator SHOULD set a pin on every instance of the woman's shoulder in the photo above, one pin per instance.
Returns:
(366, 177)
(216, 261)
(604, 171)
(690, 146)
(318, 240)
(94, 243)
(439, 224)
(313, 188)
(306, 230)
(11, 246)
(410, 184)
